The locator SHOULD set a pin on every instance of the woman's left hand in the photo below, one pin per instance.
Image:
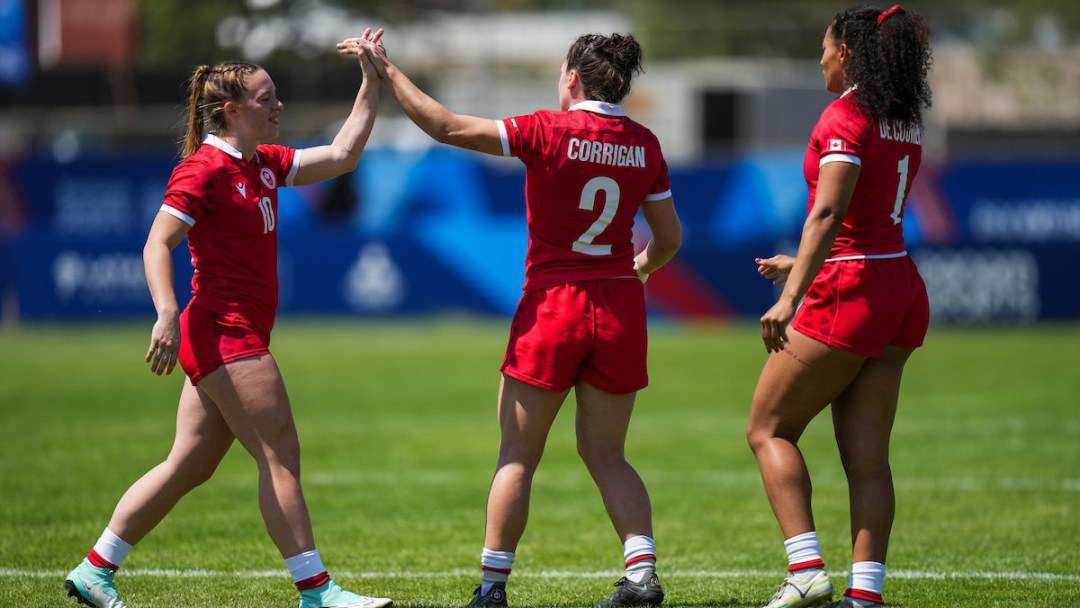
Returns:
(777, 267)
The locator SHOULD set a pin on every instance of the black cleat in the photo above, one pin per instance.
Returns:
(645, 593)
(494, 598)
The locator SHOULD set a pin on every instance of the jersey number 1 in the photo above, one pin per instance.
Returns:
(902, 169)
(610, 188)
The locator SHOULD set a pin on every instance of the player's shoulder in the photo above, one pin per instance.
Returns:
(272, 150)
(200, 163)
(200, 167)
(845, 108)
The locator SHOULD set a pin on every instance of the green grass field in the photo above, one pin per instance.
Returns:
(399, 437)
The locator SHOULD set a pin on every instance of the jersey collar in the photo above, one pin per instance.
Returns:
(225, 146)
(599, 107)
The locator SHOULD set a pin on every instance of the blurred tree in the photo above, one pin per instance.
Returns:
(171, 30)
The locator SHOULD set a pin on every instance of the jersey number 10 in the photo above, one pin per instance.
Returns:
(269, 221)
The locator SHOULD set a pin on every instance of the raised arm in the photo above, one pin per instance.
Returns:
(341, 156)
(836, 183)
(442, 125)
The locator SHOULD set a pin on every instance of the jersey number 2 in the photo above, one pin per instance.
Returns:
(902, 169)
(610, 188)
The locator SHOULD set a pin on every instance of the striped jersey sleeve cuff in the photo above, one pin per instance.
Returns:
(504, 137)
(295, 168)
(840, 158)
(658, 196)
(180, 215)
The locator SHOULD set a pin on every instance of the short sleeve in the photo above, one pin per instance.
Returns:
(842, 134)
(524, 136)
(661, 186)
(190, 192)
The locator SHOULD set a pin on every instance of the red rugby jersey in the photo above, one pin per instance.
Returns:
(587, 171)
(231, 205)
(888, 152)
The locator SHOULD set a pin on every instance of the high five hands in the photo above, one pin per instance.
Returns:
(368, 46)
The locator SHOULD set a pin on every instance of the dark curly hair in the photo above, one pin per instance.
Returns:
(889, 61)
(606, 64)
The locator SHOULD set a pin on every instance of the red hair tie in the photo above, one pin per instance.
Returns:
(896, 8)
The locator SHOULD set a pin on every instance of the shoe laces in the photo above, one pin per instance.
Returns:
(621, 582)
(780, 590)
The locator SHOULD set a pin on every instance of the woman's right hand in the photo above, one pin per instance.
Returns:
(777, 267)
(164, 344)
(774, 324)
(369, 46)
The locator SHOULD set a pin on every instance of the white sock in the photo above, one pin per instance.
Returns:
(803, 552)
(112, 548)
(305, 565)
(868, 577)
(495, 567)
(639, 556)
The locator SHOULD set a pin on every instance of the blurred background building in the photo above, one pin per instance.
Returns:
(92, 91)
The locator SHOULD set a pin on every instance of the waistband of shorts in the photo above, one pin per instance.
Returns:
(869, 256)
(249, 307)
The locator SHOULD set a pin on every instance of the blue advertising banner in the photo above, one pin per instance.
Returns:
(442, 230)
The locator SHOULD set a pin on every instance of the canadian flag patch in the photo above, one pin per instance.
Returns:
(836, 145)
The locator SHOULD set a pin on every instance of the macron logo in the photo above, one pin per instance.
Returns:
(242, 187)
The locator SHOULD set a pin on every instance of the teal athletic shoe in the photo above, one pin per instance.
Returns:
(93, 586)
(331, 595)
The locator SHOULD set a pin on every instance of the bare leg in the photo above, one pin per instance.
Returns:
(602, 421)
(795, 385)
(526, 414)
(251, 396)
(202, 440)
(863, 418)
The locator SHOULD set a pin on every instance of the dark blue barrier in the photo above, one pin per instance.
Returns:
(442, 230)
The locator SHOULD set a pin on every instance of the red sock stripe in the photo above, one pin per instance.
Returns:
(315, 581)
(862, 594)
(100, 562)
(813, 563)
(640, 558)
(505, 571)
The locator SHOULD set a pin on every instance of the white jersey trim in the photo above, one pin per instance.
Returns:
(180, 215)
(294, 169)
(658, 196)
(873, 256)
(599, 107)
(504, 137)
(840, 158)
